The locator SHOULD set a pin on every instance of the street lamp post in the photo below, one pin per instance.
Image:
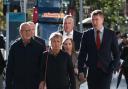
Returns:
(81, 15)
(7, 28)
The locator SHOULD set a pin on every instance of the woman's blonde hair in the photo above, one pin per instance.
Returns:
(54, 34)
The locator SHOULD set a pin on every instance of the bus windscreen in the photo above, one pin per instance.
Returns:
(49, 3)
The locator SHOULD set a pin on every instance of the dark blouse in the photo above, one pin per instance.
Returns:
(60, 71)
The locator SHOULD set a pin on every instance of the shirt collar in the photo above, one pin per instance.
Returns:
(71, 33)
(101, 30)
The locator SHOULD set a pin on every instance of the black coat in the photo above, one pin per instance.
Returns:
(40, 41)
(59, 72)
(24, 65)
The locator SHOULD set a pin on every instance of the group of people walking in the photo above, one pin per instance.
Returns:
(71, 57)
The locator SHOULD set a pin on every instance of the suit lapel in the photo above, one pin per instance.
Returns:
(93, 38)
(103, 38)
(74, 34)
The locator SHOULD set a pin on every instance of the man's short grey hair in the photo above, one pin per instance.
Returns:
(66, 17)
(54, 34)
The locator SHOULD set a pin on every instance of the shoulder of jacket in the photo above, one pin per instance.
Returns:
(16, 42)
(88, 31)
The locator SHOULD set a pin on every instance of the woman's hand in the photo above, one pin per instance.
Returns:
(82, 77)
(41, 85)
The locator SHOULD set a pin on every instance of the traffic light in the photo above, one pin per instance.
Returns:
(35, 14)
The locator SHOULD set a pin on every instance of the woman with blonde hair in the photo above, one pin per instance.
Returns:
(57, 67)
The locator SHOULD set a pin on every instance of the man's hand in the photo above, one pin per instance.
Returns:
(41, 85)
(82, 77)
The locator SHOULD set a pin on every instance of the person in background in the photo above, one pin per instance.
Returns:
(119, 38)
(24, 61)
(124, 57)
(100, 52)
(69, 47)
(69, 31)
(118, 34)
(38, 39)
(2, 61)
(57, 67)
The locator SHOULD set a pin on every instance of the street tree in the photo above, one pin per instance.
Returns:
(113, 9)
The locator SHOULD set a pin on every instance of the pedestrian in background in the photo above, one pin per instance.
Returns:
(69, 47)
(70, 31)
(124, 57)
(24, 61)
(100, 52)
(38, 39)
(2, 61)
(57, 67)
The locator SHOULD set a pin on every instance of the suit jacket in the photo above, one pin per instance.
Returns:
(108, 54)
(76, 38)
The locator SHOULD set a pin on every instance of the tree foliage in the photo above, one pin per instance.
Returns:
(113, 9)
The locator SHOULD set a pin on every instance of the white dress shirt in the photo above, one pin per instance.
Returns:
(70, 34)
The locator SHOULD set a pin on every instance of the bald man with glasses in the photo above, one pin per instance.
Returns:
(24, 61)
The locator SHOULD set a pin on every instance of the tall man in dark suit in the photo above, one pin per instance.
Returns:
(99, 53)
(68, 31)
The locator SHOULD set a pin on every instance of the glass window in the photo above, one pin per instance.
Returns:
(49, 3)
(46, 29)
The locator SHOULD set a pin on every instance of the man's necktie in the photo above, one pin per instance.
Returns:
(99, 64)
(98, 39)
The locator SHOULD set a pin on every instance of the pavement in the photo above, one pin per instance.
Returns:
(122, 83)
(113, 84)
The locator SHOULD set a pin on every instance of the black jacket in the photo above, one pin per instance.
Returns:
(60, 71)
(24, 65)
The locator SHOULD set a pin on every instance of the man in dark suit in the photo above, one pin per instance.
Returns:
(68, 31)
(99, 53)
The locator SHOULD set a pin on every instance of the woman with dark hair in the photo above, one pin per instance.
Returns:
(69, 47)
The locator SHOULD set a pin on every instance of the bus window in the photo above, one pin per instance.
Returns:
(49, 3)
(46, 29)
